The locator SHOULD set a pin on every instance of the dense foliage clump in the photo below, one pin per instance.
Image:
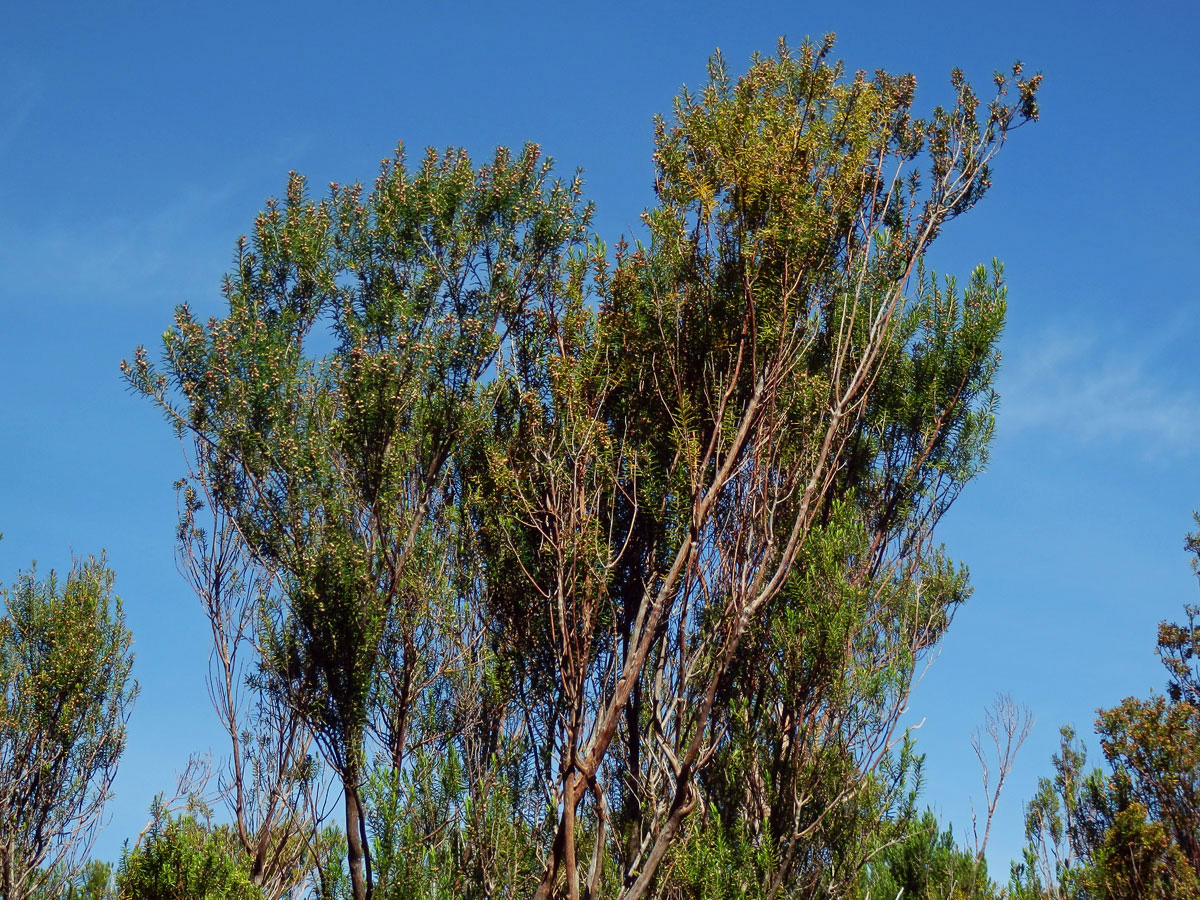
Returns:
(65, 696)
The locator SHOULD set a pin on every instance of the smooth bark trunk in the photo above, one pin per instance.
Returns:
(354, 844)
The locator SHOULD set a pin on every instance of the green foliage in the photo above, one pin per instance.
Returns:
(334, 464)
(1133, 832)
(718, 860)
(407, 809)
(94, 881)
(1058, 824)
(1138, 859)
(65, 696)
(184, 858)
(926, 863)
(780, 256)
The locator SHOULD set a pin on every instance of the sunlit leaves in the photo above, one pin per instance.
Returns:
(65, 696)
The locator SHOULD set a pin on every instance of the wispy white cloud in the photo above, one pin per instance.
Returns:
(20, 93)
(184, 242)
(113, 254)
(1080, 387)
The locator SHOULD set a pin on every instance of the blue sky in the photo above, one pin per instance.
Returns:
(137, 141)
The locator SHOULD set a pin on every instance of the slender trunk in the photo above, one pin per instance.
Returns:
(366, 843)
(573, 790)
(632, 819)
(682, 804)
(354, 842)
(259, 868)
(596, 867)
(570, 865)
(635, 817)
(6, 873)
(399, 734)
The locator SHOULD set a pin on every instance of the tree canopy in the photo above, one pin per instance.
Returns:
(65, 696)
(578, 564)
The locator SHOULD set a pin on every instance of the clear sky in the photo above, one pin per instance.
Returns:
(138, 140)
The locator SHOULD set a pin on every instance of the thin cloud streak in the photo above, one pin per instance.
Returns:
(1073, 386)
(19, 98)
(115, 254)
